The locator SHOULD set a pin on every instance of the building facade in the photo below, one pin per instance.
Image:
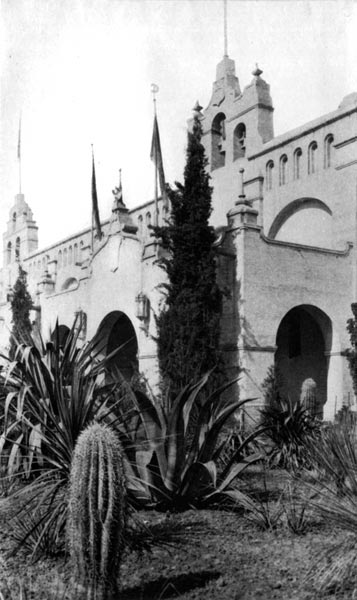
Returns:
(285, 212)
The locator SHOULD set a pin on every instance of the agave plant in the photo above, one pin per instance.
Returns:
(172, 466)
(54, 392)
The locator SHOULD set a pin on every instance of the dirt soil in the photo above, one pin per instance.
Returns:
(221, 557)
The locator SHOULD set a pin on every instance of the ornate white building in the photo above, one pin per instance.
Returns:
(285, 211)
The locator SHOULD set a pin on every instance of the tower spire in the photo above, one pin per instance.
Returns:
(225, 28)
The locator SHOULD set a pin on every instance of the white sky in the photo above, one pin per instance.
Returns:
(80, 71)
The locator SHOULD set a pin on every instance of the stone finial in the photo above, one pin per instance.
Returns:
(197, 109)
(257, 72)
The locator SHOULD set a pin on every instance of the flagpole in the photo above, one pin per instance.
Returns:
(19, 153)
(92, 232)
(154, 90)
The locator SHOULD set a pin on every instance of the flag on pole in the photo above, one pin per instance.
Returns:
(156, 157)
(95, 209)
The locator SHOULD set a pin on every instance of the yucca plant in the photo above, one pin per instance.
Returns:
(289, 428)
(54, 392)
(333, 495)
(171, 466)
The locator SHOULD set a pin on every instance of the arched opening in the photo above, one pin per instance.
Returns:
(17, 249)
(303, 342)
(63, 332)
(297, 163)
(116, 333)
(218, 134)
(328, 150)
(305, 221)
(239, 141)
(283, 166)
(269, 175)
(70, 284)
(312, 164)
(8, 253)
(14, 218)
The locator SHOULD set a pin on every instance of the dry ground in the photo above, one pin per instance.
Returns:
(222, 557)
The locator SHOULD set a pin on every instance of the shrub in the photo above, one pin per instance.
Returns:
(289, 427)
(97, 510)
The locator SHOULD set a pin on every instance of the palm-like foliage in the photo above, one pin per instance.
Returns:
(290, 427)
(54, 392)
(333, 494)
(171, 465)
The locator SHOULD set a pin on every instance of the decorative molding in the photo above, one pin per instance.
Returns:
(349, 164)
(345, 252)
(346, 142)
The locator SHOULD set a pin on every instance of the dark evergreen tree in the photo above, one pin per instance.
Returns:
(189, 323)
(352, 352)
(21, 305)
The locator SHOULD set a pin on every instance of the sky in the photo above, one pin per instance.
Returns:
(79, 72)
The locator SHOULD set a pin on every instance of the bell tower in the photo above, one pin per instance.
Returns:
(21, 236)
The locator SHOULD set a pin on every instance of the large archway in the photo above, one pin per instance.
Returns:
(116, 332)
(303, 342)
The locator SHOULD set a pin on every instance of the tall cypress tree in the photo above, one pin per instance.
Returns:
(189, 323)
(21, 304)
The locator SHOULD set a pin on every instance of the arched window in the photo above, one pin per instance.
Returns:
(65, 257)
(148, 223)
(140, 224)
(239, 141)
(269, 174)
(328, 150)
(297, 163)
(218, 135)
(283, 165)
(75, 253)
(8, 253)
(311, 166)
(60, 259)
(17, 249)
(70, 254)
(14, 221)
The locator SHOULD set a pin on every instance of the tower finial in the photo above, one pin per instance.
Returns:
(225, 29)
(154, 91)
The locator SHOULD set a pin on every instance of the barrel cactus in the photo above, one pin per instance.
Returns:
(97, 511)
(308, 397)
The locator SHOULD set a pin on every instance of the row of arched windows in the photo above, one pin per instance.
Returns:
(145, 221)
(9, 251)
(68, 256)
(38, 265)
(218, 136)
(312, 163)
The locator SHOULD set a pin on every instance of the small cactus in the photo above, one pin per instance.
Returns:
(97, 511)
(308, 397)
